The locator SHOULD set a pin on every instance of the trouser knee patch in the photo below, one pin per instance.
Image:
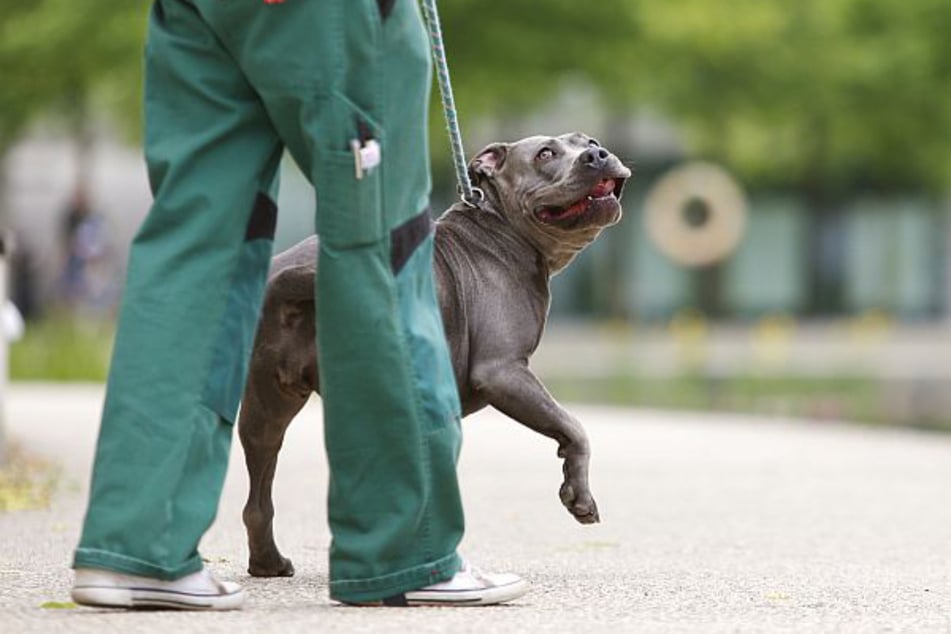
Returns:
(405, 239)
(263, 220)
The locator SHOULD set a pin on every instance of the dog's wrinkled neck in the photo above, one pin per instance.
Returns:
(492, 198)
(554, 247)
(559, 251)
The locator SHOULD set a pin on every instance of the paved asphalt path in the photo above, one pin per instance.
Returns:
(710, 524)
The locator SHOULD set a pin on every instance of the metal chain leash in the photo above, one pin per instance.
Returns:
(472, 196)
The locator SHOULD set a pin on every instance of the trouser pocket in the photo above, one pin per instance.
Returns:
(349, 180)
(348, 208)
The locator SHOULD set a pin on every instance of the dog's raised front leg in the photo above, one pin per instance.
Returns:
(515, 391)
(266, 412)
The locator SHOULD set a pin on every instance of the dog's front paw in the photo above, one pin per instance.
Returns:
(582, 506)
(273, 567)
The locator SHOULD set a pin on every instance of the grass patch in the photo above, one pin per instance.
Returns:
(58, 605)
(63, 348)
(26, 482)
(861, 399)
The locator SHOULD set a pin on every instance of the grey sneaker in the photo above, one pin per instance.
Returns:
(468, 587)
(197, 591)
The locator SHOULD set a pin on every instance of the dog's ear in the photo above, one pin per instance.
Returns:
(486, 162)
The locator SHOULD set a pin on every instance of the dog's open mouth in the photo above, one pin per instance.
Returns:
(606, 190)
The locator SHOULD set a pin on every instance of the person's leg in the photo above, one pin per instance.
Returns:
(331, 73)
(395, 507)
(190, 307)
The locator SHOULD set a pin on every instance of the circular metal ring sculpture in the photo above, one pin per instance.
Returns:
(695, 214)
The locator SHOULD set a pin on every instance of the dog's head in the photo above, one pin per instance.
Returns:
(558, 192)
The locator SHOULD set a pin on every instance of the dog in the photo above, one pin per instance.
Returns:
(545, 199)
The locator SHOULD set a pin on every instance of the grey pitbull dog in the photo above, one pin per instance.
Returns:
(545, 200)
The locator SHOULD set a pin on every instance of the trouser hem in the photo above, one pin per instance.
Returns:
(376, 588)
(105, 560)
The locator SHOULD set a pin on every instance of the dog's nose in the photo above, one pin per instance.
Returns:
(595, 157)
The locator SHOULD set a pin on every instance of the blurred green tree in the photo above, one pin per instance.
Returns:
(818, 94)
(67, 58)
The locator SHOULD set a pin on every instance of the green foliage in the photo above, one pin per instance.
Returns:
(62, 348)
(65, 57)
(818, 94)
(509, 56)
(815, 94)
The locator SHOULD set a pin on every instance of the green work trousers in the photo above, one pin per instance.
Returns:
(229, 86)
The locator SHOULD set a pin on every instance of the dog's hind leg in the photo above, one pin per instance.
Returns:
(266, 411)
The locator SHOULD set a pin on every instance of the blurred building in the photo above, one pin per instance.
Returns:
(41, 177)
(883, 254)
(866, 252)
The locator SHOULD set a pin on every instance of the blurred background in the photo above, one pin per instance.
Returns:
(825, 289)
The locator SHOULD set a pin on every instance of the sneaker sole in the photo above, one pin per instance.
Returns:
(453, 598)
(111, 597)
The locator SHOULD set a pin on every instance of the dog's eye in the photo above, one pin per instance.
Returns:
(545, 154)
(594, 142)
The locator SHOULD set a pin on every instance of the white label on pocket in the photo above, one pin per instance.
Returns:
(365, 156)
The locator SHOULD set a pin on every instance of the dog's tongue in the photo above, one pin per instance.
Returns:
(602, 189)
